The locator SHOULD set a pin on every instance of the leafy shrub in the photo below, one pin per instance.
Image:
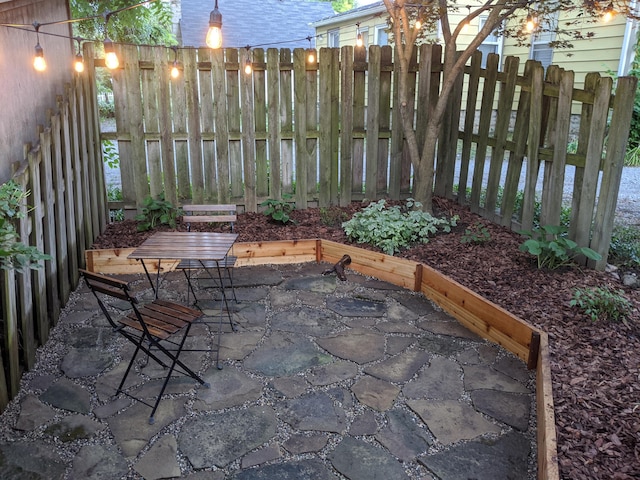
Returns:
(332, 216)
(478, 233)
(156, 212)
(15, 255)
(279, 210)
(625, 246)
(601, 303)
(110, 154)
(394, 228)
(550, 245)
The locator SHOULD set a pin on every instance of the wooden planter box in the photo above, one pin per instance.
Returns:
(473, 311)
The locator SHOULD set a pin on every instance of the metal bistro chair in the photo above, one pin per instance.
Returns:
(158, 329)
(210, 214)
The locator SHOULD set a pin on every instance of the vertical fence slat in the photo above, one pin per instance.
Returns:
(384, 118)
(373, 125)
(248, 137)
(325, 90)
(612, 173)
(193, 125)
(205, 80)
(359, 89)
(552, 194)
(505, 103)
(273, 123)
(165, 127)
(260, 115)
(311, 144)
(68, 201)
(150, 79)
(232, 68)
(593, 140)
(516, 157)
(74, 182)
(486, 110)
(49, 237)
(38, 279)
(61, 220)
(221, 126)
(85, 189)
(346, 118)
(180, 133)
(300, 124)
(469, 120)
(10, 335)
(286, 120)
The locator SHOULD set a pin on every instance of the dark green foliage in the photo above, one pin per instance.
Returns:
(15, 255)
(156, 212)
(552, 248)
(279, 210)
(601, 303)
(625, 246)
(332, 216)
(477, 234)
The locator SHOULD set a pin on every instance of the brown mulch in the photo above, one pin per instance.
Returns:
(595, 365)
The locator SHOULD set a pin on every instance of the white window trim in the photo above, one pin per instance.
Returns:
(498, 42)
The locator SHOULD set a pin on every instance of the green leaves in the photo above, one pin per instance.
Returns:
(156, 212)
(394, 228)
(279, 210)
(549, 243)
(601, 303)
(15, 255)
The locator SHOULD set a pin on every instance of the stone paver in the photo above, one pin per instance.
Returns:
(323, 380)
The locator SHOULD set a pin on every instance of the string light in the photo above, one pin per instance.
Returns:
(110, 58)
(214, 34)
(359, 41)
(311, 57)
(175, 72)
(609, 13)
(78, 64)
(530, 23)
(248, 67)
(39, 62)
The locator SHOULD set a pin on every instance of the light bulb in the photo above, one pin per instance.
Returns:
(530, 25)
(359, 41)
(110, 58)
(418, 24)
(78, 65)
(175, 72)
(311, 57)
(608, 16)
(111, 61)
(214, 34)
(248, 68)
(39, 62)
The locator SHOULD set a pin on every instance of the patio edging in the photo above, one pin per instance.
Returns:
(475, 312)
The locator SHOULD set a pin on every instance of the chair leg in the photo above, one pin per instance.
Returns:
(187, 275)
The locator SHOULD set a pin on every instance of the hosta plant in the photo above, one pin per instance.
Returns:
(552, 248)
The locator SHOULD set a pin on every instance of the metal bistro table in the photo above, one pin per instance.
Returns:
(205, 247)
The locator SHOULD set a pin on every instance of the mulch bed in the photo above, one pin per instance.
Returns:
(595, 365)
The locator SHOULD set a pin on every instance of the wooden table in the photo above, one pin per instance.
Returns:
(198, 246)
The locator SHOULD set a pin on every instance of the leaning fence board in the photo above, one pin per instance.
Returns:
(10, 335)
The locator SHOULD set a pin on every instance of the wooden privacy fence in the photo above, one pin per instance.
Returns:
(66, 211)
(327, 131)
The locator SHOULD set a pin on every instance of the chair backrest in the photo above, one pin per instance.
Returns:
(210, 214)
(111, 287)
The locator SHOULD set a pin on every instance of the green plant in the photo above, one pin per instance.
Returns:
(332, 216)
(393, 228)
(15, 255)
(156, 212)
(478, 233)
(110, 154)
(624, 248)
(279, 210)
(601, 303)
(550, 245)
(632, 157)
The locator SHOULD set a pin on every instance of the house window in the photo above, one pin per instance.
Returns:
(333, 38)
(541, 41)
(381, 36)
(365, 37)
(491, 44)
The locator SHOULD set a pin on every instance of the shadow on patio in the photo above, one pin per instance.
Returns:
(323, 380)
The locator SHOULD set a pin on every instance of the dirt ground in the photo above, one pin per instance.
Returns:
(595, 365)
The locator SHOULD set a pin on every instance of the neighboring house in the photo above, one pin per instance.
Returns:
(265, 24)
(611, 50)
(25, 95)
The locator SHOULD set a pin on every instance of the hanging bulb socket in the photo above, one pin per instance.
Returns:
(110, 58)
(175, 71)
(78, 64)
(214, 34)
(39, 62)
(248, 66)
(530, 24)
